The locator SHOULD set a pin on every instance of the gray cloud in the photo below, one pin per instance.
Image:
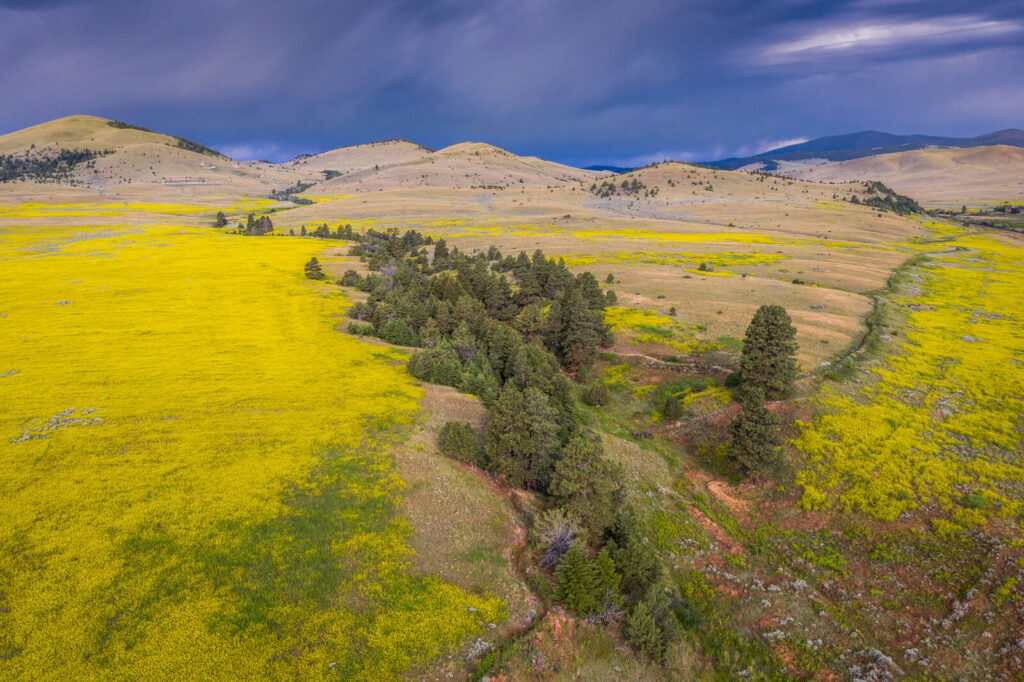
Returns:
(582, 82)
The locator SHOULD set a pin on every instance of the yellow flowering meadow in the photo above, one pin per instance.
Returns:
(941, 423)
(194, 471)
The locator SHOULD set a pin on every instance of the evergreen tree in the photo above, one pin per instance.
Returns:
(459, 440)
(636, 560)
(396, 331)
(522, 437)
(586, 485)
(608, 580)
(440, 254)
(313, 270)
(768, 360)
(577, 582)
(575, 329)
(643, 634)
(597, 394)
(221, 219)
(755, 435)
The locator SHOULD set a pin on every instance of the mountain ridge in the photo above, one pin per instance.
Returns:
(857, 145)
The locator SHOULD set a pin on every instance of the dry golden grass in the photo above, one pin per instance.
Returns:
(464, 529)
(945, 178)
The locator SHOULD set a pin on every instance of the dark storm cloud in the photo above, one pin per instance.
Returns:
(578, 81)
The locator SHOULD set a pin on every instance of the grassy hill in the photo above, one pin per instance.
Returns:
(937, 177)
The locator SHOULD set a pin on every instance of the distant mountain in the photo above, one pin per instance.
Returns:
(867, 143)
(613, 169)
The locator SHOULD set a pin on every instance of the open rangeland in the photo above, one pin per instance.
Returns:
(205, 476)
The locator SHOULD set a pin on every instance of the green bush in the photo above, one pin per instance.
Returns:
(672, 409)
(596, 394)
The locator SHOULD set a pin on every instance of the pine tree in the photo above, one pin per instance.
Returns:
(577, 583)
(608, 580)
(440, 254)
(636, 560)
(313, 270)
(755, 435)
(586, 485)
(768, 360)
(508, 447)
(643, 634)
(575, 328)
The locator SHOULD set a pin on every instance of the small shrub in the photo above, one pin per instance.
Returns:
(672, 409)
(597, 394)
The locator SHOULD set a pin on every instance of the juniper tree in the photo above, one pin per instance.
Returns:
(755, 433)
(672, 408)
(768, 359)
(313, 270)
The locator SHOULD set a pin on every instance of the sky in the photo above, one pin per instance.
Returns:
(577, 81)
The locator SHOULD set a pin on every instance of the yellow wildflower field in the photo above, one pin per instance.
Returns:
(194, 472)
(940, 425)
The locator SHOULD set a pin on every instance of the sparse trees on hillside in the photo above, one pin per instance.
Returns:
(256, 227)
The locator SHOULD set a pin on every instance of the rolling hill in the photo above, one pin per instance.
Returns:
(935, 177)
(131, 155)
(467, 165)
(359, 157)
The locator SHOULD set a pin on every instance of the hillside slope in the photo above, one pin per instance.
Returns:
(133, 155)
(467, 165)
(361, 157)
(935, 177)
